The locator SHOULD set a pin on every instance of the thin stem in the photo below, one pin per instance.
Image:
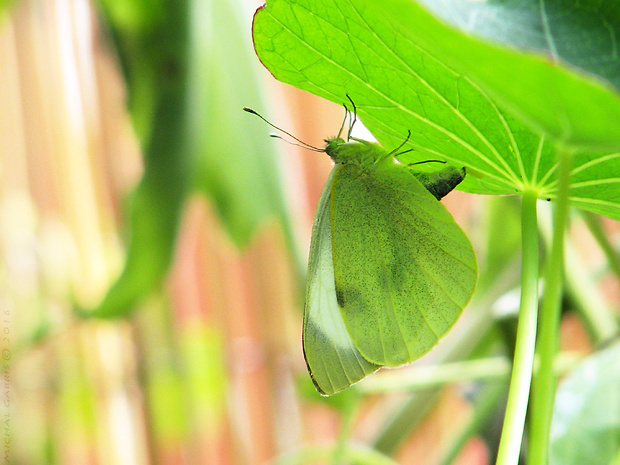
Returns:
(543, 387)
(594, 225)
(584, 293)
(419, 378)
(516, 407)
(435, 376)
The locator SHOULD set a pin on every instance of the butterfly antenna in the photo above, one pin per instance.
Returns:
(354, 116)
(344, 120)
(395, 151)
(301, 142)
(425, 161)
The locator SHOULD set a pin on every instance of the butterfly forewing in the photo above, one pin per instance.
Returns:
(333, 361)
(403, 268)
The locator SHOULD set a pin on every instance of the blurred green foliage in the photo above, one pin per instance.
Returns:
(189, 70)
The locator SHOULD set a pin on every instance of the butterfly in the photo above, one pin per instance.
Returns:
(389, 270)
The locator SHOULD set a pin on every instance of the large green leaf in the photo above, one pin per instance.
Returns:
(584, 34)
(586, 416)
(405, 70)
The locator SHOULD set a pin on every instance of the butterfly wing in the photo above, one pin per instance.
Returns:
(439, 183)
(333, 361)
(403, 268)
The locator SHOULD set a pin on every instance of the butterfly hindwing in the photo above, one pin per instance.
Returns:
(403, 268)
(439, 183)
(333, 361)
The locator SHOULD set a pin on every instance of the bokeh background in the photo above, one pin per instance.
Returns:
(153, 242)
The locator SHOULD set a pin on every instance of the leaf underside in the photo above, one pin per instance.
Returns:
(404, 72)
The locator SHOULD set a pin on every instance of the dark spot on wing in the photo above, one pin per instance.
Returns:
(340, 297)
(442, 183)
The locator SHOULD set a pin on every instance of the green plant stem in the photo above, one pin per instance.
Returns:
(419, 378)
(543, 387)
(512, 432)
(435, 376)
(587, 298)
(593, 222)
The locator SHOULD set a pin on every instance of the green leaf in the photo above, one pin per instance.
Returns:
(187, 81)
(584, 34)
(234, 163)
(586, 417)
(407, 71)
(155, 72)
